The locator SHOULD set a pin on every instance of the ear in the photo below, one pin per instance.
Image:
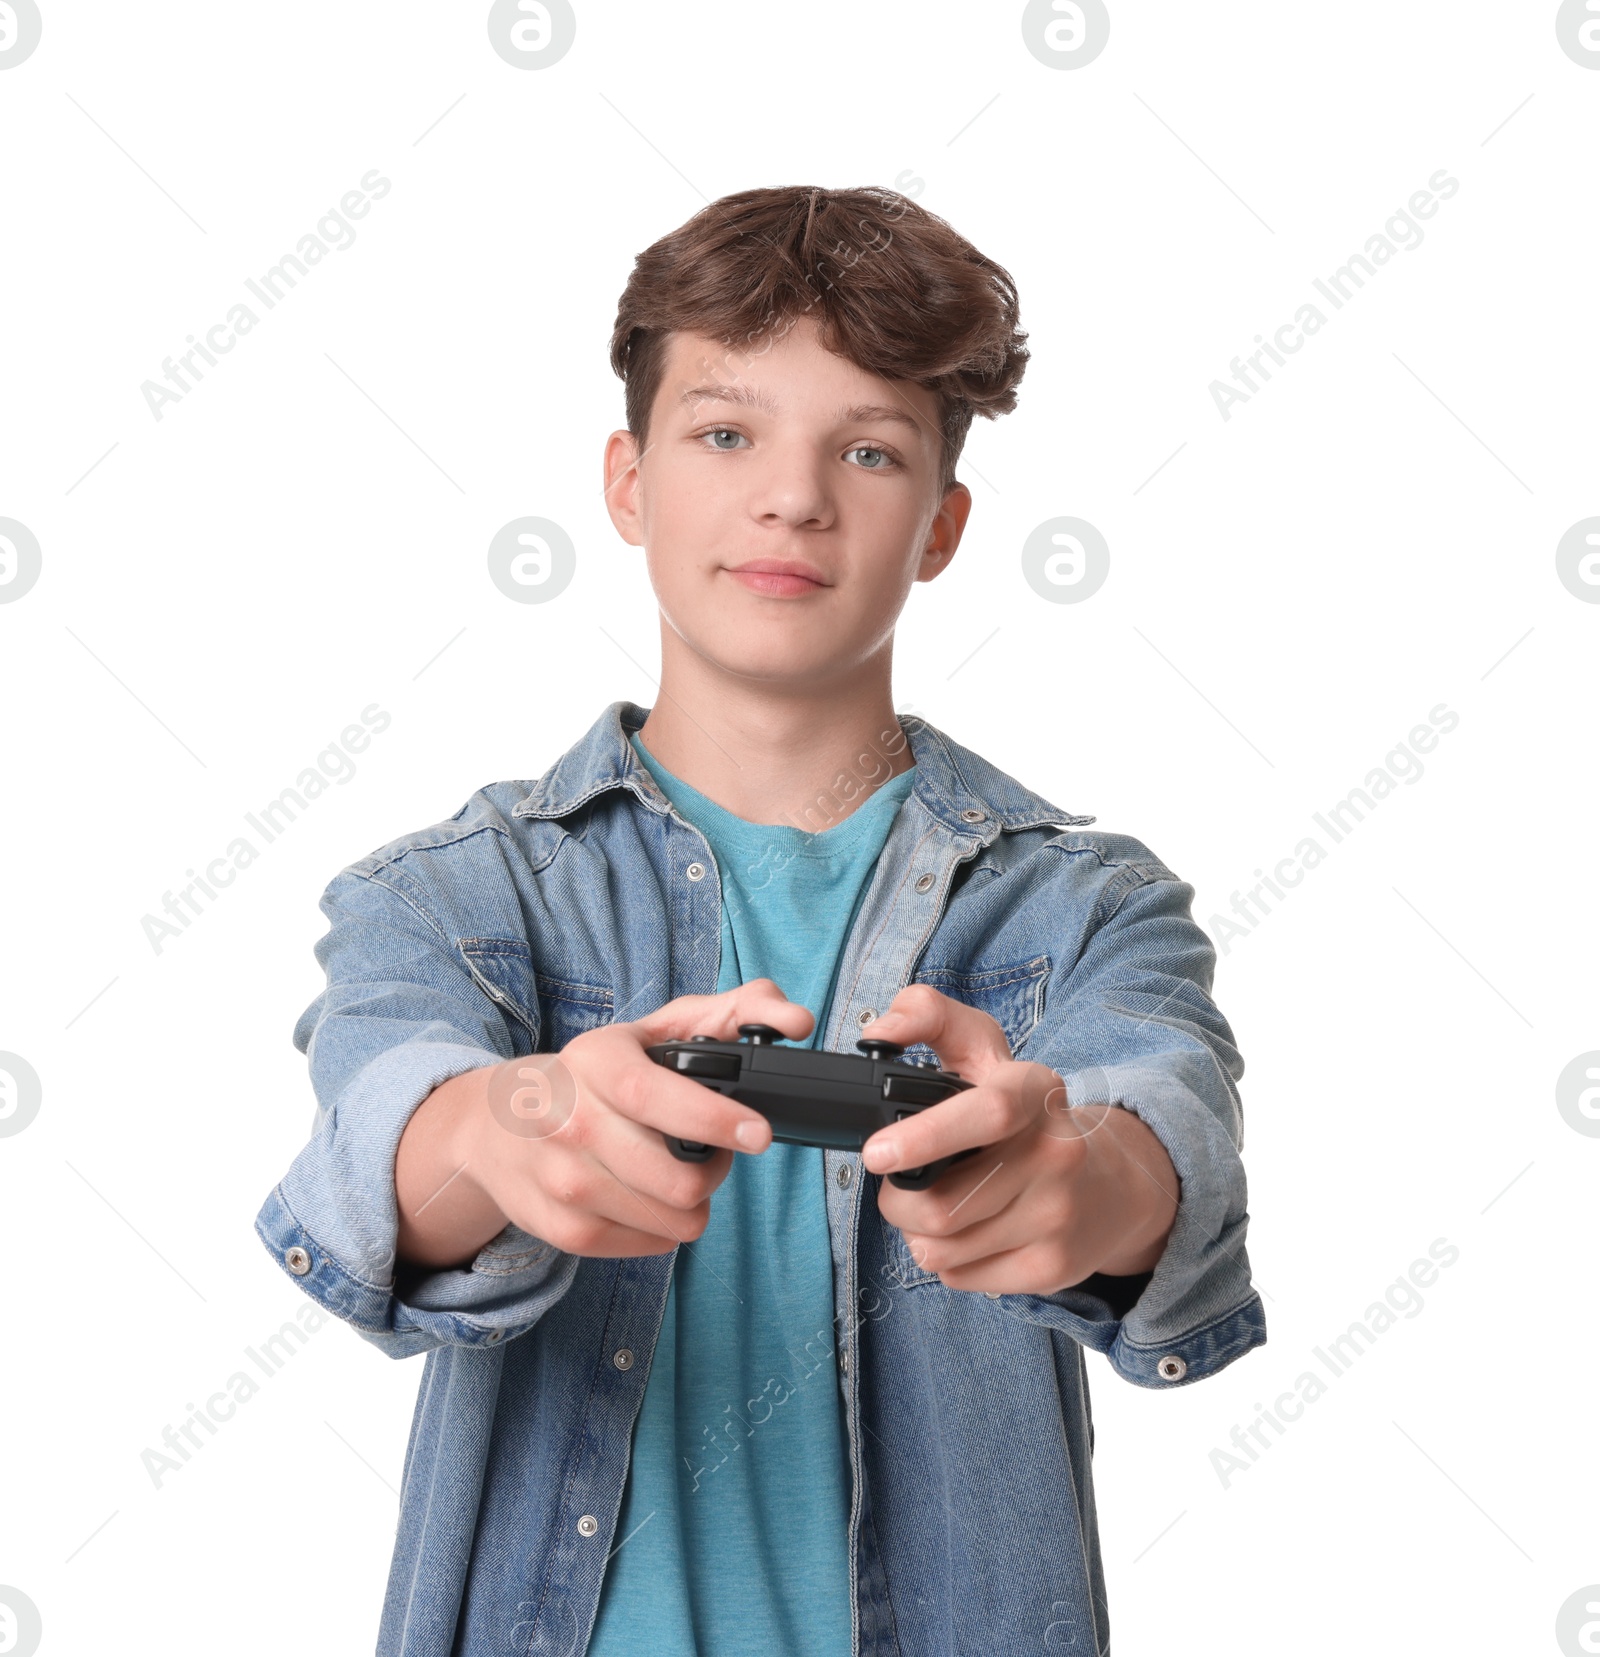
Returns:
(944, 533)
(622, 486)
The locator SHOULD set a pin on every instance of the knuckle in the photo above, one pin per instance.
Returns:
(686, 1189)
(626, 1089)
(925, 1218)
(997, 1119)
(573, 1190)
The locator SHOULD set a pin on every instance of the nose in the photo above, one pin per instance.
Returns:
(790, 490)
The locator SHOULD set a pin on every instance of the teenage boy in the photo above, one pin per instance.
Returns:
(770, 1403)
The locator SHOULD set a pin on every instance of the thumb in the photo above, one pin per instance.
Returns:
(964, 1039)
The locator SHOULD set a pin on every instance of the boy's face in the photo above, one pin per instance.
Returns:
(795, 455)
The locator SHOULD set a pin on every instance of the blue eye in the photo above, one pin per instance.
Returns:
(882, 463)
(722, 431)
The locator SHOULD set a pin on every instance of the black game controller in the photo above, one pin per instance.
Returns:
(813, 1097)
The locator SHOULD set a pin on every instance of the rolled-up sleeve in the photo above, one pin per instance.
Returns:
(1132, 1024)
(400, 1015)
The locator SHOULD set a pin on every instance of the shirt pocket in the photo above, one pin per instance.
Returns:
(570, 1007)
(544, 1010)
(1013, 996)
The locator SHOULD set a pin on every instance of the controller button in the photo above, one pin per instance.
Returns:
(716, 1067)
(760, 1035)
(702, 1038)
(875, 1049)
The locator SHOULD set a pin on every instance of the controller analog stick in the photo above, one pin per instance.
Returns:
(875, 1049)
(760, 1035)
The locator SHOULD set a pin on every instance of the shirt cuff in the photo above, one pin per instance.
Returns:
(1084, 1313)
(333, 1221)
(1196, 1311)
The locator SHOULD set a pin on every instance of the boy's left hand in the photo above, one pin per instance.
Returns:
(1058, 1192)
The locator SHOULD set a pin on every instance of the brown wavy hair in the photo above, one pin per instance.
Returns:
(894, 289)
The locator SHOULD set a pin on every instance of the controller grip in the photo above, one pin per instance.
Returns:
(689, 1150)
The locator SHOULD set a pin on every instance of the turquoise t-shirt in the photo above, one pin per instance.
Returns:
(736, 1515)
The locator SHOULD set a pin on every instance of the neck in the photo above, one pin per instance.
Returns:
(805, 756)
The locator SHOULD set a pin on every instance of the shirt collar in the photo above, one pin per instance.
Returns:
(957, 786)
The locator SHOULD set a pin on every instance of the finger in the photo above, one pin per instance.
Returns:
(627, 1200)
(650, 1178)
(965, 1195)
(615, 1242)
(1034, 1269)
(965, 1039)
(758, 1002)
(978, 1118)
(590, 1193)
(642, 1091)
(1012, 1227)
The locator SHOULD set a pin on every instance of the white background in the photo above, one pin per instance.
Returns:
(1291, 590)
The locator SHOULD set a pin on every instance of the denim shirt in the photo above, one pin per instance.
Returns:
(541, 910)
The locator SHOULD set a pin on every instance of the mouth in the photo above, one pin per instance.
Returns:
(779, 577)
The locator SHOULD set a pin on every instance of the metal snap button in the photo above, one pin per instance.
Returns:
(844, 1360)
(297, 1260)
(696, 871)
(924, 882)
(588, 1525)
(991, 1294)
(493, 1336)
(971, 816)
(866, 1016)
(623, 1359)
(844, 1175)
(1172, 1368)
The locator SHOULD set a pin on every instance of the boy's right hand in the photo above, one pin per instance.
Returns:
(570, 1147)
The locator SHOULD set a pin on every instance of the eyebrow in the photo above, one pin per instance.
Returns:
(748, 397)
